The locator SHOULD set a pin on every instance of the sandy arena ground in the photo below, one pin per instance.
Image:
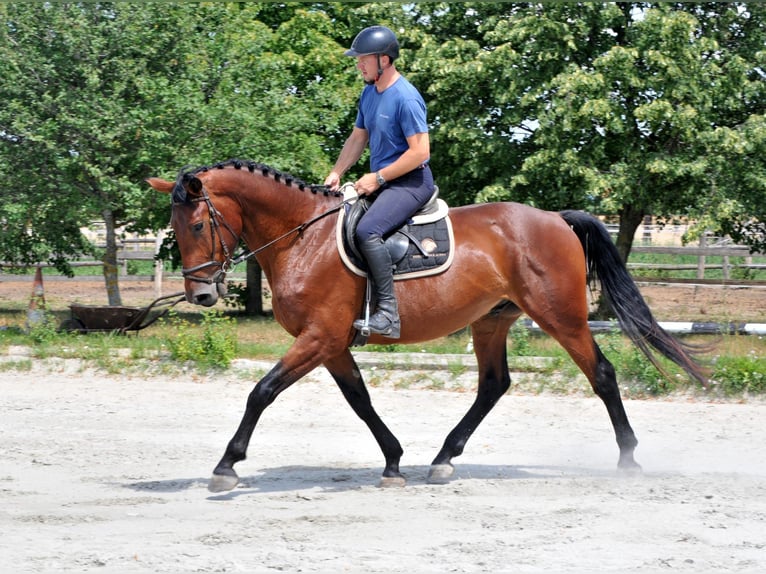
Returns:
(109, 473)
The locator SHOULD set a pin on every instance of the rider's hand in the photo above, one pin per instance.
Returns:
(367, 184)
(333, 181)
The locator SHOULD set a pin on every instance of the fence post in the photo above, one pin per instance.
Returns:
(646, 237)
(701, 258)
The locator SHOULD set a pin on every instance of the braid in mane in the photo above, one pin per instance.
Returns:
(179, 193)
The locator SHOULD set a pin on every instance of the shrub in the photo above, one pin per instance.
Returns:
(214, 346)
(236, 295)
(738, 375)
(43, 330)
(634, 368)
(519, 335)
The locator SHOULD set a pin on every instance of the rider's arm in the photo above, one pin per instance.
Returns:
(349, 155)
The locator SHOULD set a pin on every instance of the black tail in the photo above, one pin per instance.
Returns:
(636, 320)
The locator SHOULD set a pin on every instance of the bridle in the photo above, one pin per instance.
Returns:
(218, 222)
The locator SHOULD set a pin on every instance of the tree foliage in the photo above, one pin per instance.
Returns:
(90, 93)
(98, 96)
(623, 108)
(618, 108)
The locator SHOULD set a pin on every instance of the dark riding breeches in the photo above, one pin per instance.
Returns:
(399, 200)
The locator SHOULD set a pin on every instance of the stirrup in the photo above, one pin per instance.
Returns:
(392, 330)
(363, 327)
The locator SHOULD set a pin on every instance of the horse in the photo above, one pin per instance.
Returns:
(510, 259)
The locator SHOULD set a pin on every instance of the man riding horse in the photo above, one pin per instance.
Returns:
(392, 120)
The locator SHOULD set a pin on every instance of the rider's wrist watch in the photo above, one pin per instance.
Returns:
(380, 179)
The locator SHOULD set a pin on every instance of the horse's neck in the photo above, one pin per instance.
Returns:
(273, 210)
(291, 235)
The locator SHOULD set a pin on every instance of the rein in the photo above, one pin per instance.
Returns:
(229, 261)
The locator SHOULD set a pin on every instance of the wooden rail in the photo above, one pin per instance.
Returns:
(144, 249)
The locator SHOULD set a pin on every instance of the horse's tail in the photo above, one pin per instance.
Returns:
(636, 320)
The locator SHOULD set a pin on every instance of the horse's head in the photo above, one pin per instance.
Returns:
(205, 238)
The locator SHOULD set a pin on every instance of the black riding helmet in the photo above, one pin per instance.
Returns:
(374, 40)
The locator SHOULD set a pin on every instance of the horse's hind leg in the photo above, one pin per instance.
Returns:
(489, 340)
(346, 374)
(584, 350)
(604, 384)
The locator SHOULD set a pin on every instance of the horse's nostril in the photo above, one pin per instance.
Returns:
(205, 299)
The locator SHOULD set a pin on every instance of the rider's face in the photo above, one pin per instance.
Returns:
(368, 66)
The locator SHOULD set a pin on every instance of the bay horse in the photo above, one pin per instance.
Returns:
(510, 259)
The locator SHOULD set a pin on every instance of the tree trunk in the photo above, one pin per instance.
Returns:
(110, 260)
(631, 217)
(254, 294)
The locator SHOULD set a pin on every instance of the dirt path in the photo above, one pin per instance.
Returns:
(108, 474)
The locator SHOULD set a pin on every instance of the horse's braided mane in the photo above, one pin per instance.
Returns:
(186, 173)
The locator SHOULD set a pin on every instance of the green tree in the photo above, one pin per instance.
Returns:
(623, 108)
(281, 92)
(278, 93)
(91, 93)
(98, 96)
(284, 94)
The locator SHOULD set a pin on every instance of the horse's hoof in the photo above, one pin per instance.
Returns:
(440, 473)
(392, 481)
(222, 482)
(632, 469)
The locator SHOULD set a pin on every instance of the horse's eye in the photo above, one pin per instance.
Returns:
(197, 227)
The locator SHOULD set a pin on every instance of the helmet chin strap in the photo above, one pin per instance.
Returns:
(380, 73)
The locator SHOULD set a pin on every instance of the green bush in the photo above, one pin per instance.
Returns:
(212, 343)
(237, 295)
(519, 335)
(738, 375)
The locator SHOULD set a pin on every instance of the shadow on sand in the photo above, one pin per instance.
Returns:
(333, 479)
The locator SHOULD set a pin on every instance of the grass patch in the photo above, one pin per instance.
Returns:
(212, 339)
(735, 376)
(23, 365)
(212, 344)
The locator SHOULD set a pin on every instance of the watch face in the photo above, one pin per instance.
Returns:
(380, 179)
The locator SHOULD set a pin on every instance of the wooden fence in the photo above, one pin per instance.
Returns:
(702, 264)
(135, 250)
(708, 247)
(145, 249)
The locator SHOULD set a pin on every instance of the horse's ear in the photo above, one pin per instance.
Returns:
(161, 185)
(195, 186)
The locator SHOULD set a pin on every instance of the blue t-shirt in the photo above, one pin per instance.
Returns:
(390, 118)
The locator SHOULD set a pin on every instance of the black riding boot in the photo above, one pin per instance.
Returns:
(385, 320)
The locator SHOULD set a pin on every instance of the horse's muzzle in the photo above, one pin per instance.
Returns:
(205, 291)
(205, 294)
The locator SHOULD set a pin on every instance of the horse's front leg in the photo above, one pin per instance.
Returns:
(346, 374)
(277, 380)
